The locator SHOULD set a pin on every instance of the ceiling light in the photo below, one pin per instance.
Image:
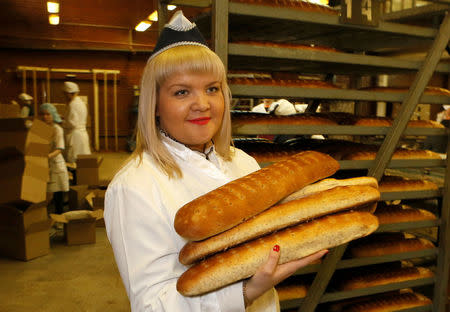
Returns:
(154, 16)
(53, 19)
(143, 26)
(53, 7)
(171, 7)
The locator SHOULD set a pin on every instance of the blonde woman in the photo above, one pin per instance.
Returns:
(183, 151)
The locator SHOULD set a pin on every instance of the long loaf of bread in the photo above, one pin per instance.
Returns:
(329, 183)
(388, 247)
(281, 216)
(295, 242)
(402, 213)
(395, 302)
(373, 278)
(241, 199)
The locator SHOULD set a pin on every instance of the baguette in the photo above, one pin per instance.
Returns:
(295, 242)
(387, 247)
(401, 184)
(393, 302)
(289, 292)
(372, 277)
(402, 213)
(281, 216)
(327, 184)
(241, 199)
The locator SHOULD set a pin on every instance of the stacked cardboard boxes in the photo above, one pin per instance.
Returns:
(24, 223)
(79, 225)
(24, 149)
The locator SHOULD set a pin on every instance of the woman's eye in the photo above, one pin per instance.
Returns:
(213, 89)
(181, 92)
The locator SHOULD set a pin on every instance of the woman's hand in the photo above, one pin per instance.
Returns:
(270, 273)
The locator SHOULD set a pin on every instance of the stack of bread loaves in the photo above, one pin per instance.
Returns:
(232, 228)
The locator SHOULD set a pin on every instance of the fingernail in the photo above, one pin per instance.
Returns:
(276, 248)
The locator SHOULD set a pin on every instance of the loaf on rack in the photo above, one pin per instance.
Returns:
(401, 213)
(327, 201)
(243, 198)
(293, 291)
(295, 242)
(391, 183)
(385, 302)
(387, 122)
(401, 153)
(382, 276)
(380, 245)
(293, 4)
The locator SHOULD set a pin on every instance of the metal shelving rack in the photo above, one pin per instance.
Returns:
(358, 43)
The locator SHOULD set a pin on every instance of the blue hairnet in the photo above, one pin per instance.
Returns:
(52, 110)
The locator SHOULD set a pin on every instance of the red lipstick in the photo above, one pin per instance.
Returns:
(200, 121)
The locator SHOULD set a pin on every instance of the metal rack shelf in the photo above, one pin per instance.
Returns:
(330, 94)
(362, 47)
(265, 58)
(341, 295)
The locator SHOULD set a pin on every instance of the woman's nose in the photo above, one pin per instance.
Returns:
(201, 102)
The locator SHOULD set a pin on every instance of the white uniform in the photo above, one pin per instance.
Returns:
(140, 207)
(59, 178)
(77, 139)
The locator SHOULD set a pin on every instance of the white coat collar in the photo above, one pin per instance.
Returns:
(183, 153)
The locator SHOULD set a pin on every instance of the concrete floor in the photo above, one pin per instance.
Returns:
(70, 278)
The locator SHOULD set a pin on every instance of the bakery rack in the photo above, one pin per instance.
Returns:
(231, 23)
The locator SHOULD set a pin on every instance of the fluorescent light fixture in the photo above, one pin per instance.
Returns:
(143, 26)
(154, 16)
(53, 7)
(53, 19)
(171, 7)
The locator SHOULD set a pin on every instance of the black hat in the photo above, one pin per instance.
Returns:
(178, 31)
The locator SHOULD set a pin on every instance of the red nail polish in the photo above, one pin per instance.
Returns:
(276, 248)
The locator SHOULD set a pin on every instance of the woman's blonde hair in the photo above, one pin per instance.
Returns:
(191, 59)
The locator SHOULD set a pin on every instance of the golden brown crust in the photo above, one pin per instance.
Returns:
(373, 277)
(373, 248)
(428, 90)
(241, 199)
(295, 242)
(400, 153)
(392, 302)
(402, 213)
(387, 122)
(266, 119)
(399, 184)
(289, 292)
(266, 81)
(281, 216)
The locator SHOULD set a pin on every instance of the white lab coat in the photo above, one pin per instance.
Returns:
(59, 178)
(77, 139)
(140, 207)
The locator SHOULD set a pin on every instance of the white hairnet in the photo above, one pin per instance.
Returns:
(70, 87)
(25, 97)
(446, 106)
(282, 107)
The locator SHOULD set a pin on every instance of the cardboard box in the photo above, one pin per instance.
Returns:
(79, 225)
(88, 169)
(24, 234)
(26, 136)
(23, 179)
(96, 201)
(77, 194)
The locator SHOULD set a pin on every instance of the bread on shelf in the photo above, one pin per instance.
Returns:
(392, 183)
(401, 213)
(380, 245)
(385, 302)
(371, 277)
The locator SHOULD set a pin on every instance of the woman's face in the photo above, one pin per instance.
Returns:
(46, 116)
(190, 108)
